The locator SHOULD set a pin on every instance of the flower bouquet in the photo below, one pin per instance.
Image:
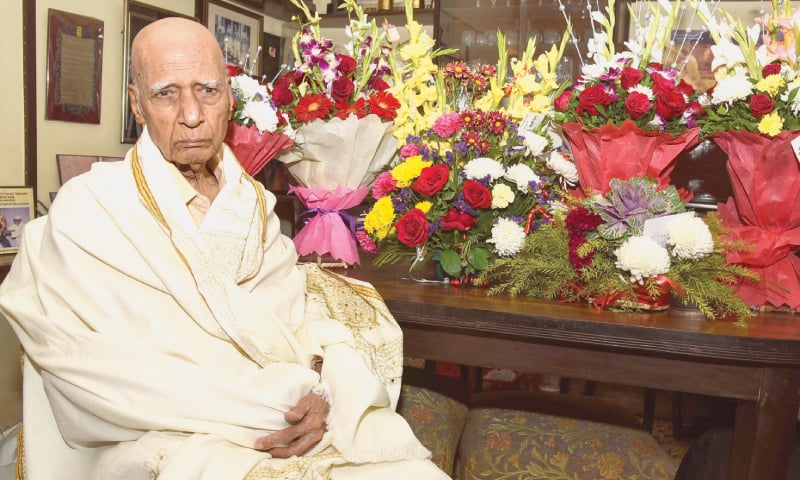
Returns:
(629, 249)
(256, 133)
(340, 106)
(628, 115)
(752, 114)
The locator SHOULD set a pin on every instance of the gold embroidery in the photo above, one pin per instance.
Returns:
(160, 456)
(297, 468)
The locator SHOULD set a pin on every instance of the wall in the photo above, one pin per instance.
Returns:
(58, 136)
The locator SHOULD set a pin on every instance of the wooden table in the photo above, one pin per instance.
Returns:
(678, 349)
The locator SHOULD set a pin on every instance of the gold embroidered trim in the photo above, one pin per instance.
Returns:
(20, 464)
(295, 468)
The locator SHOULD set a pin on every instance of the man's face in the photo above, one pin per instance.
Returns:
(184, 99)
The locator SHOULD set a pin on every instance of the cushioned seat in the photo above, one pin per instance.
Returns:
(509, 444)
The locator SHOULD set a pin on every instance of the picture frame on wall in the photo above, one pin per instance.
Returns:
(239, 34)
(74, 67)
(16, 210)
(137, 16)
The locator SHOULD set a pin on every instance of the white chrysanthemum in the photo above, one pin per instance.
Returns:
(522, 175)
(508, 237)
(643, 89)
(643, 257)
(502, 196)
(535, 143)
(563, 167)
(690, 238)
(262, 114)
(249, 87)
(731, 89)
(483, 167)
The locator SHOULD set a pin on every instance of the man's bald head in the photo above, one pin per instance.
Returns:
(180, 90)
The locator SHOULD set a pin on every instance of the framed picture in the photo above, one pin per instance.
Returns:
(74, 67)
(137, 16)
(270, 56)
(16, 210)
(238, 32)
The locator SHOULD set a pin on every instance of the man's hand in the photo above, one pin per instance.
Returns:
(307, 421)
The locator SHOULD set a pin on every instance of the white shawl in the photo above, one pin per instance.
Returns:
(166, 349)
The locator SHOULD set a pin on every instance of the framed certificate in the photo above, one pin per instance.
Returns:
(16, 210)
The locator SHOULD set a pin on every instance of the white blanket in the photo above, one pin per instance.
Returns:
(166, 350)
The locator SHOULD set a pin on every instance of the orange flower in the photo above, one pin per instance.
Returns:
(499, 441)
(610, 465)
(421, 414)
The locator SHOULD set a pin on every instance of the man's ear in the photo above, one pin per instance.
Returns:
(133, 94)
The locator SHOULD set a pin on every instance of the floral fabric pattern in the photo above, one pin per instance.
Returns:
(515, 445)
(436, 420)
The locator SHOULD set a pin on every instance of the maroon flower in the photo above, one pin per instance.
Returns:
(761, 104)
(347, 64)
(476, 195)
(590, 97)
(661, 84)
(379, 85)
(342, 88)
(432, 179)
(670, 104)
(637, 104)
(771, 69)
(457, 220)
(630, 77)
(233, 70)
(412, 228)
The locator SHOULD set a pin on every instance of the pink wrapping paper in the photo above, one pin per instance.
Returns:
(326, 230)
(764, 211)
(623, 152)
(253, 149)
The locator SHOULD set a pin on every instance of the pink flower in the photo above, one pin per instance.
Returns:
(409, 150)
(365, 242)
(384, 183)
(448, 124)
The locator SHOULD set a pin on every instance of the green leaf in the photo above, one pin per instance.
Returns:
(451, 263)
(478, 258)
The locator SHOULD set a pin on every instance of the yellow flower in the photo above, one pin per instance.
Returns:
(770, 124)
(528, 84)
(611, 466)
(379, 220)
(540, 104)
(425, 206)
(560, 459)
(770, 85)
(405, 173)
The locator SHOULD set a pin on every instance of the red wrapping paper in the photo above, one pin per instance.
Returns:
(253, 149)
(764, 211)
(604, 153)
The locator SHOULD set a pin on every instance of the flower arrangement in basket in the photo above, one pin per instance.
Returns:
(753, 117)
(628, 114)
(468, 188)
(256, 132)
(629, 249)
(338, 100)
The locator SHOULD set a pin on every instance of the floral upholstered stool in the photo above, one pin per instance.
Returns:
(530, 435)
(511, 444)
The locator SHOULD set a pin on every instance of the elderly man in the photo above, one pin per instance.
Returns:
(174, 334)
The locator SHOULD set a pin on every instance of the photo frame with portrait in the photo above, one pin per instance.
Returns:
(16, 210)
(137, 16)
(239, 34)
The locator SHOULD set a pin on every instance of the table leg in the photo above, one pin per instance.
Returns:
(762, 438)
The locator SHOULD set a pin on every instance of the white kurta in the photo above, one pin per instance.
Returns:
(166, 350)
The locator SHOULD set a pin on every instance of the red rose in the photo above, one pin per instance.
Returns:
(685, 88)
(342, 88)
(412, 228)
(457, 220)
(347, 64)
(637, 104)
(562, 102)
(379, 85)
(476, 195)
(661, 84)
(281, 95)
(761, 104)
(771, 69)
(432, 179)
(670, 104)
(630, 77)
(233, 70)
(589, 98)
